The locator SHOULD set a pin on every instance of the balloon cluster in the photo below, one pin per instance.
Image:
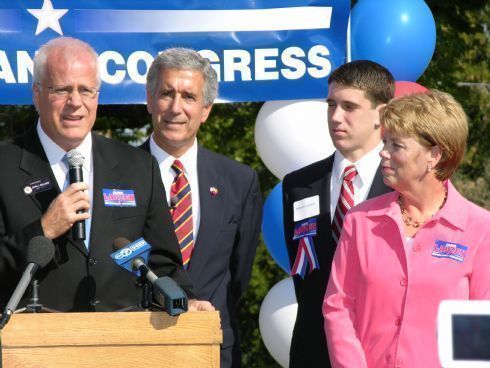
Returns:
(398, 34)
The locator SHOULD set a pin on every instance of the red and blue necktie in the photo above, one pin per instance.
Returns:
(181, 210)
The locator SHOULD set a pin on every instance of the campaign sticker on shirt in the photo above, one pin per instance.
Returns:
(38, 186)
(304, 229)
(119, 198)
(443, 249)
(305, 208)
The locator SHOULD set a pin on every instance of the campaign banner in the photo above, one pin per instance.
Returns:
(261, 49)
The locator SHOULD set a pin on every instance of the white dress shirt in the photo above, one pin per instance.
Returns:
(55, 156)
(189, 161)
(366, 170)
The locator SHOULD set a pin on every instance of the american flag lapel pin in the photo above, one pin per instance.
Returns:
(213, 191)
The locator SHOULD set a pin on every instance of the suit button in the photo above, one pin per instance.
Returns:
(92, 261)
(94, 302)
(398, 322)
(403, 282)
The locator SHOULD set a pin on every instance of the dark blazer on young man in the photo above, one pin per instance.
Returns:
(309, 345)
(79, 279)
(224, 250)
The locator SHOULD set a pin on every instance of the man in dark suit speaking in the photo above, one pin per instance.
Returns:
(316, 197)
(36, 199)
(215, 202)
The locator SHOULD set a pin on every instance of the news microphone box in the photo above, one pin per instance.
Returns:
(170, 296)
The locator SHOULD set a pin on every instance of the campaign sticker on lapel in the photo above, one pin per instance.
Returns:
(119, 198)
(38, 186)
(443, 249)
(306, 228)
(306, 254)
(305, 208)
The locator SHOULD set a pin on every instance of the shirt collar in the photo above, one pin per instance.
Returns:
(165, 160)
(454, 211)
(366, 166)
(55, 153)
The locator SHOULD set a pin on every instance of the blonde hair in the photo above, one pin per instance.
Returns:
(433, 118)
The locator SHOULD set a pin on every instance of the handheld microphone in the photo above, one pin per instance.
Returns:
(133, 258)
(40, 251)
(75, 164)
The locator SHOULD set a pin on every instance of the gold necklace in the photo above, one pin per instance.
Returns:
(408, 220)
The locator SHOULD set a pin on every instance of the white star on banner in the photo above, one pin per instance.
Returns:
(48, 17)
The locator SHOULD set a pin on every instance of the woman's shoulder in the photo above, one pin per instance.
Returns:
(377, 204)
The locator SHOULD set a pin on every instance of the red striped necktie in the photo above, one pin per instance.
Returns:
(345, 202)
(181, 210)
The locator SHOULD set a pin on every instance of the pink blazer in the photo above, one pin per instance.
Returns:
(381, 302)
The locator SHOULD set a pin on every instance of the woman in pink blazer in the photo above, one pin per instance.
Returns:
(400, 254)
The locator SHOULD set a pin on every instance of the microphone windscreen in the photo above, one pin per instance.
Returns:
(40, 250)
(120, 243)
(74, 158)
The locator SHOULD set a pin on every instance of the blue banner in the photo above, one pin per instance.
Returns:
(261, 49)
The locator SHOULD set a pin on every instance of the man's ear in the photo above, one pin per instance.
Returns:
(206, 112)
(149, 102)
(35, 96)
(377, 123)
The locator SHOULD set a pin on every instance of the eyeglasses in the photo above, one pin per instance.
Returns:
(62, 91)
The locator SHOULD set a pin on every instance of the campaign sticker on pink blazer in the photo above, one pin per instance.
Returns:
(443, 249)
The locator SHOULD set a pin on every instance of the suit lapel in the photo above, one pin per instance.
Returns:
(378, 187)
(104, 174)
(211, 206)
(324, 187)
(35, 163)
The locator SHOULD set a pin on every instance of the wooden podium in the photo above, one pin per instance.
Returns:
(120, 339)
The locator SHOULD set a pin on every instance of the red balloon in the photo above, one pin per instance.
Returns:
(403, 88)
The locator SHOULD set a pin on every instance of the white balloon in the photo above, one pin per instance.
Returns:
(276, 320)
(292, 134)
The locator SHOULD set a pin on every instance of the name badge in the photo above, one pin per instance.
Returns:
(305, 208)
(119, 198)
(38, 186)
(443, 249)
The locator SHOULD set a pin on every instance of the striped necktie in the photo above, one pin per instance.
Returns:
(181, 210)
(345, 202)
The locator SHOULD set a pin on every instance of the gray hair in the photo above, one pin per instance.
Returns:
(69, 47)
(179, 58)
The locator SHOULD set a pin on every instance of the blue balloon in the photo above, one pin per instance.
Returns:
(398, 34)
(273, 228)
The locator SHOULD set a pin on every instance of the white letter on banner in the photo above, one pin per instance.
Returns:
(24, 66)
(213, 59)
(316, 57)
(241, 65)
(5, 69)
(104, 58)
(262, 63)
(133, 60)
(298, 66)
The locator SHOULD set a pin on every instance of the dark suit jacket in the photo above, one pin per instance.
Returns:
(77, 279)
(309, 346)
(227, 239)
